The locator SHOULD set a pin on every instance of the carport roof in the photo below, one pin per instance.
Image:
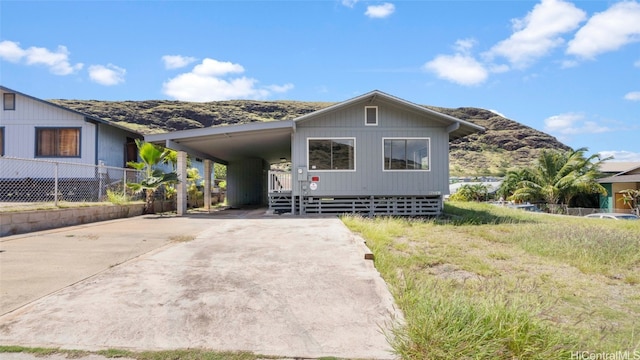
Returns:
(272, 140)
(267, 140)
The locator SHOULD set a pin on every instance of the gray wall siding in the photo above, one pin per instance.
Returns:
(111, 145)
(369, 177)
(246, 182)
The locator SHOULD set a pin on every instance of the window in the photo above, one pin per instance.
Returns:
(332, 154)
(371, 115)
(58, 142)
(406, 154)
(9, 101)
(1, 141)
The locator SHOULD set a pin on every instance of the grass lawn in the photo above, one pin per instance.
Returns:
(497, 283)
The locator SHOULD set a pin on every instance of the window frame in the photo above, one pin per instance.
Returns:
(366, 116)
(58, 128)
(2, 138)
(12, 96)
(428, 139)
(331, 139)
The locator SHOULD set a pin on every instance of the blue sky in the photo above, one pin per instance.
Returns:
(571, 69)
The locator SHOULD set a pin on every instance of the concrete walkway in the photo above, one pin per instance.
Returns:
(282, 286)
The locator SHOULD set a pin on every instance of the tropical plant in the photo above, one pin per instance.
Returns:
(220, 175)
(631, 198)
(510, 183)
(193, 180)
(117, 198)
(151, 156)
(219, 171)
(559, 176)
(475, 192)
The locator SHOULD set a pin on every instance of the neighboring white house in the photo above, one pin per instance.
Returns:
(37, 129)
(32, 128)
(374, 154)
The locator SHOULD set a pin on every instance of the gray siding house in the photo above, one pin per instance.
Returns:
(373, 154)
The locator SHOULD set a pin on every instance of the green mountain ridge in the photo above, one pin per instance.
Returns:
(505, 144)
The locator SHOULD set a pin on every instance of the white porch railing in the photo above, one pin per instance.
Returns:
(279, 181)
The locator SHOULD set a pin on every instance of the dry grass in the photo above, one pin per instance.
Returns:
(488, 282)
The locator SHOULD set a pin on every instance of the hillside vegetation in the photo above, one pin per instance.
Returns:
(504, 145)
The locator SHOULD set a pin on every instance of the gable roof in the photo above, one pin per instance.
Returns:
(630, 175)
(620, 179)
(88, 117)
(457, 128)
(619, 167)
(272, 140)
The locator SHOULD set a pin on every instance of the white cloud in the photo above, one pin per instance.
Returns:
(633, 96)
(607, 31)
(107, 75)
(349, 3)
(637, 64)
(568, 64)
(464, 46)
(11, 51)
(177, 61)
(538, 32)
(57, 61)
(280, 88)
(380, 11)
(498, 69)
(459, 68)
(213, 80)
(573, 123)
(211, 67)
(620, 155)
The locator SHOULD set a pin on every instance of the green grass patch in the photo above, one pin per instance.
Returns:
(491, 282)
(117, 198)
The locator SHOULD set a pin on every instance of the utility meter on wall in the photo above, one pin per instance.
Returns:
(302, 174)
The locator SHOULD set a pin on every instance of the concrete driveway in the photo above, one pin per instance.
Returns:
(283, 286)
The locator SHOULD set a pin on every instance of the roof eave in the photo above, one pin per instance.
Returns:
(220, 130)
(86, 116)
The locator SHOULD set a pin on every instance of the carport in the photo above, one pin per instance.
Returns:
(247, 150)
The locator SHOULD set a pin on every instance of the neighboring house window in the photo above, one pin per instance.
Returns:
(406, 153)
(131, 154)
(371, 115)
(58, 142)
(9, 101)
(1, 141)
(332, 154)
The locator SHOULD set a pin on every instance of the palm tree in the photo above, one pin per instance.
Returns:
(510, 183)
(151, 156)
(557, 177)
(476, 192)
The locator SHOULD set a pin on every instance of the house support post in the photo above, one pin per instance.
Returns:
(182, 185)
(207, 184)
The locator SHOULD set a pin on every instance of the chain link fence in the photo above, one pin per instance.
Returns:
(25, 183)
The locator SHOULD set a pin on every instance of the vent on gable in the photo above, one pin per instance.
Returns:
(371, 115)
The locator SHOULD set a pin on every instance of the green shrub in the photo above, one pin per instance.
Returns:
(117, 198)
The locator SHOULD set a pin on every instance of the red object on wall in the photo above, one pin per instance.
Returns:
(315, 178)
